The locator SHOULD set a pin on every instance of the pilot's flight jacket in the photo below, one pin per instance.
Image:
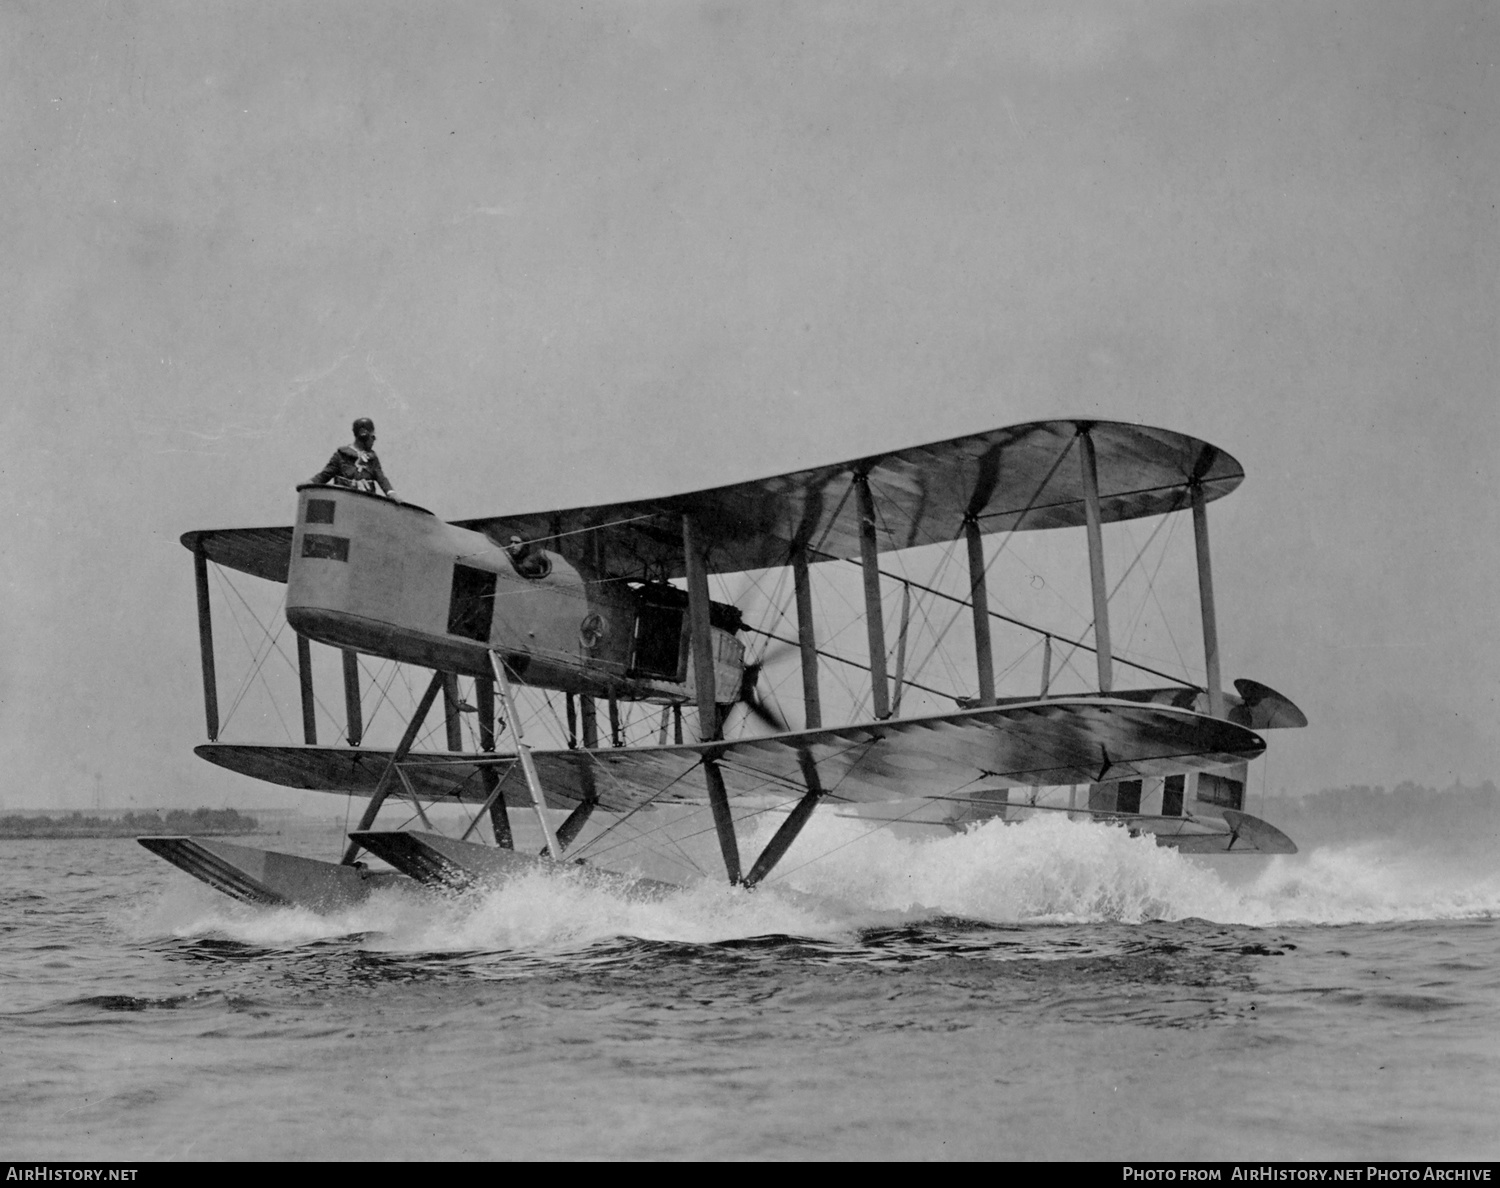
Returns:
(351, 466)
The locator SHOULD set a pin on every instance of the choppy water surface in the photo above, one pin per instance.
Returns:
(1044, 990)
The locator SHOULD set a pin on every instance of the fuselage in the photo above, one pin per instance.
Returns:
(393, 580)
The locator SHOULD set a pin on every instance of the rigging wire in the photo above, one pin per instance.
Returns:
(1004, 543)
(657, 795)
(1151, 595)
(258, 657)
(1166, 620)
(383, 697)
(1075, 645)
(924, 609)
(833, 792)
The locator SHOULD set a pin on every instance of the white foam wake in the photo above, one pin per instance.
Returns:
(841, 877)
(1053, 869)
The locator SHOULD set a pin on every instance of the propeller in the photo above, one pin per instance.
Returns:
(748, 696)
(750, 699)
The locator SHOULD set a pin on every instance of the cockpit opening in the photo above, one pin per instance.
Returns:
(528, 560)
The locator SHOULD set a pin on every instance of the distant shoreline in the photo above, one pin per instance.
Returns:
(203, 822)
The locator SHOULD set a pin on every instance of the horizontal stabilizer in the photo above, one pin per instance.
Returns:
(1256, 707)
(1243, 834)
(269, 878)
(1251, 833)
(459, 865)
(1262, 708)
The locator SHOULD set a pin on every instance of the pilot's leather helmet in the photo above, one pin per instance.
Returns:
(363, 425)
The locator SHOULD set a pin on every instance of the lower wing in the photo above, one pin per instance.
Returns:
(1064, 741)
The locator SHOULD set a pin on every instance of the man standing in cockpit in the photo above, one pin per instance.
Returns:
(357, 466)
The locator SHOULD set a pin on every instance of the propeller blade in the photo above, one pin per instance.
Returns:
(766, 714)
(747, 698)
(775, 650)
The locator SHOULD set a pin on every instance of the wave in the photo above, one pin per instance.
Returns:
(841, 878)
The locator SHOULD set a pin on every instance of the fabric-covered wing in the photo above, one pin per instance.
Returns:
(1022, 478)
(1044, 742)
(260, 552)
(356, 771)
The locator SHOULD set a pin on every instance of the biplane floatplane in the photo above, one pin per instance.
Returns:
(612, 603)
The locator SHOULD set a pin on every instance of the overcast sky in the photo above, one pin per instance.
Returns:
(569, 254)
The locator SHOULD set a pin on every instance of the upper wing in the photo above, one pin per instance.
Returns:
(1045, 742)
(260, 552)
(1022, 478)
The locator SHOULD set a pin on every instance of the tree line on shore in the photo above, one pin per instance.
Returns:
(1409, 810)
(78, 824)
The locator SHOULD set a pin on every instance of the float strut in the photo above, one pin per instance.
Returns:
(718, 799)
(524, 752)
(792, 826)
(579, 817)
(377, 798)
(492, 793)
(574, 824)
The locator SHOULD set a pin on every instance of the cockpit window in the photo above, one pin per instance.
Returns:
(472, 604)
